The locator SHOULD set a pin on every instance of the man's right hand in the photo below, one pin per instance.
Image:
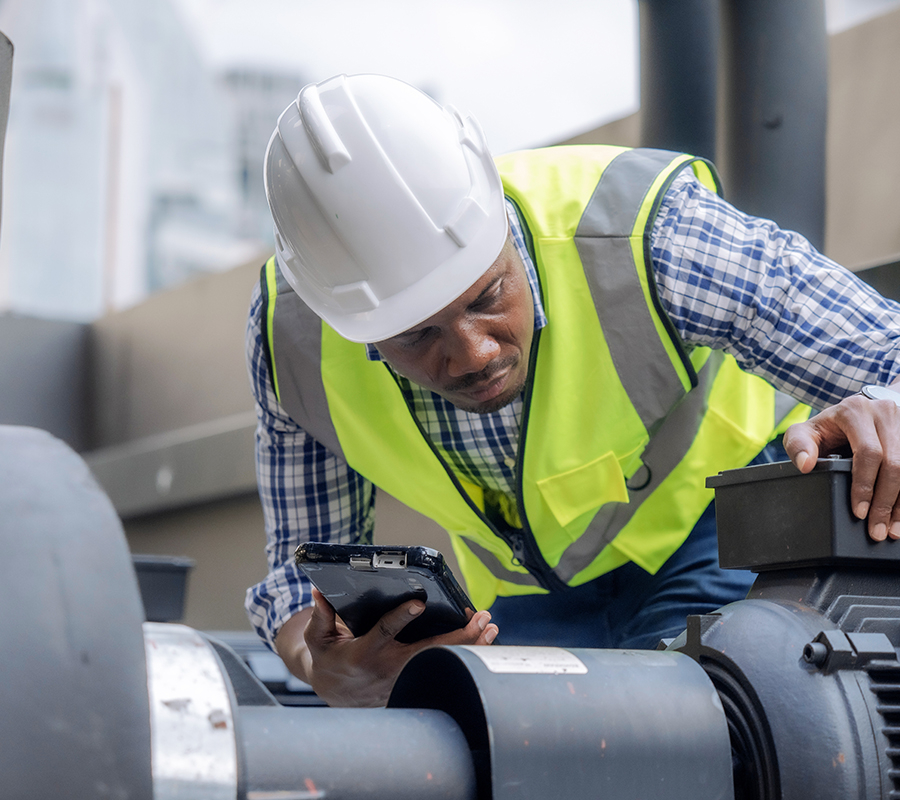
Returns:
(345, 670)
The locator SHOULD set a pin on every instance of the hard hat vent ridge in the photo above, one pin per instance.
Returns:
(468, 222)
(322, 135)
(356, 297)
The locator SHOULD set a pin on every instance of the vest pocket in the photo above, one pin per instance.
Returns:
(577, 491)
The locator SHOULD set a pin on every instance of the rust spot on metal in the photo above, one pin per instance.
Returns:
(218, 719)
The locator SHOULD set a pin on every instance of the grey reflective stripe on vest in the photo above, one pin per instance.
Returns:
(496, 567)
(784, 405)
(296, 349)
(663, 453)
(602, 238)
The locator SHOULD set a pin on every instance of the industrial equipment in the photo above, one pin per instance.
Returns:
(792, 693)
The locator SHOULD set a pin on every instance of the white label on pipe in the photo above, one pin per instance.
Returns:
(529, 660)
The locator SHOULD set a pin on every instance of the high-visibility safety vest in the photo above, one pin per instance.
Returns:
(622, 422)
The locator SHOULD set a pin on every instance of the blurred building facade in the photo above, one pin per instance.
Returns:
(131, 161)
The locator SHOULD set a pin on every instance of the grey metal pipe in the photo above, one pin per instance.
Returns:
(678, 75)
(353, 754)
(547, 722)
(219, 735)
(775, 105)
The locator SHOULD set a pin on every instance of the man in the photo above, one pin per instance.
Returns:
(547, 363)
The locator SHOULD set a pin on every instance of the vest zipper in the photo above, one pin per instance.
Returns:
(533, 559)
(523, 545)
(517, 543)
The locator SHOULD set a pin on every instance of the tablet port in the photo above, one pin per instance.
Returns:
(389, 560)
(360, 562)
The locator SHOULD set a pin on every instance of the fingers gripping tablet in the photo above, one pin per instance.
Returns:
(364, 582)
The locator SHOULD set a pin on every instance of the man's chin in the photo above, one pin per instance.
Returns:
(473, 406)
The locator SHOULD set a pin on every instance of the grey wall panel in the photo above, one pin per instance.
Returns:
(862, 216)
(884, 278)
(173, 361)
(43, 376)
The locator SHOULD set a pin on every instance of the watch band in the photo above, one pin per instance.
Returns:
(880, 393)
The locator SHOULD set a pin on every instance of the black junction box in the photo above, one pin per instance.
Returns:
(772, 516)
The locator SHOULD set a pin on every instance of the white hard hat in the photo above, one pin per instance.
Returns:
(387, 206)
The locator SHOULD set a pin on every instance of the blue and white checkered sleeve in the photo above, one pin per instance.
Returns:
(307, 494)
(783, 310)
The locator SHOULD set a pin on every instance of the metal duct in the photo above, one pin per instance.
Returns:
(772, 57)
(678, 75)
(775, 82)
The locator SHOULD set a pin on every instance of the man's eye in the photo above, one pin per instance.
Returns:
(415, 337)
(489, 298)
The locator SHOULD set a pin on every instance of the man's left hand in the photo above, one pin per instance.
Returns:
(871, 429)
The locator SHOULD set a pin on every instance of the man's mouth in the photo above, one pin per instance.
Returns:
(487, 384)
(494, 388)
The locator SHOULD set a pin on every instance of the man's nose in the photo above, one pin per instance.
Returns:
(469, 350)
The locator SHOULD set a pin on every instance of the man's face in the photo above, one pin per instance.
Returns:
(474, 352)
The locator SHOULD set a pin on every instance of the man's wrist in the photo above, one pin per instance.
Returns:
(881, 393)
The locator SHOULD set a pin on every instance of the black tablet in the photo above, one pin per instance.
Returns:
(364, 582)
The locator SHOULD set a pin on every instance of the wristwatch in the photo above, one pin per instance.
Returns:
(880, 393)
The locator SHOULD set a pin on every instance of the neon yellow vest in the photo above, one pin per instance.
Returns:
(621, 423)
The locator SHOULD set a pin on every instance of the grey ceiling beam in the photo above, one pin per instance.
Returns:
(197, 464)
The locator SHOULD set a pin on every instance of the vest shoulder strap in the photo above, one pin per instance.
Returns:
(293, 341)
(614, 232)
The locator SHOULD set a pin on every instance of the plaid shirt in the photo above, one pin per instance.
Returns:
(727, 281)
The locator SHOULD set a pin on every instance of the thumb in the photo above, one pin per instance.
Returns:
(322, 621)
(802, 446)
